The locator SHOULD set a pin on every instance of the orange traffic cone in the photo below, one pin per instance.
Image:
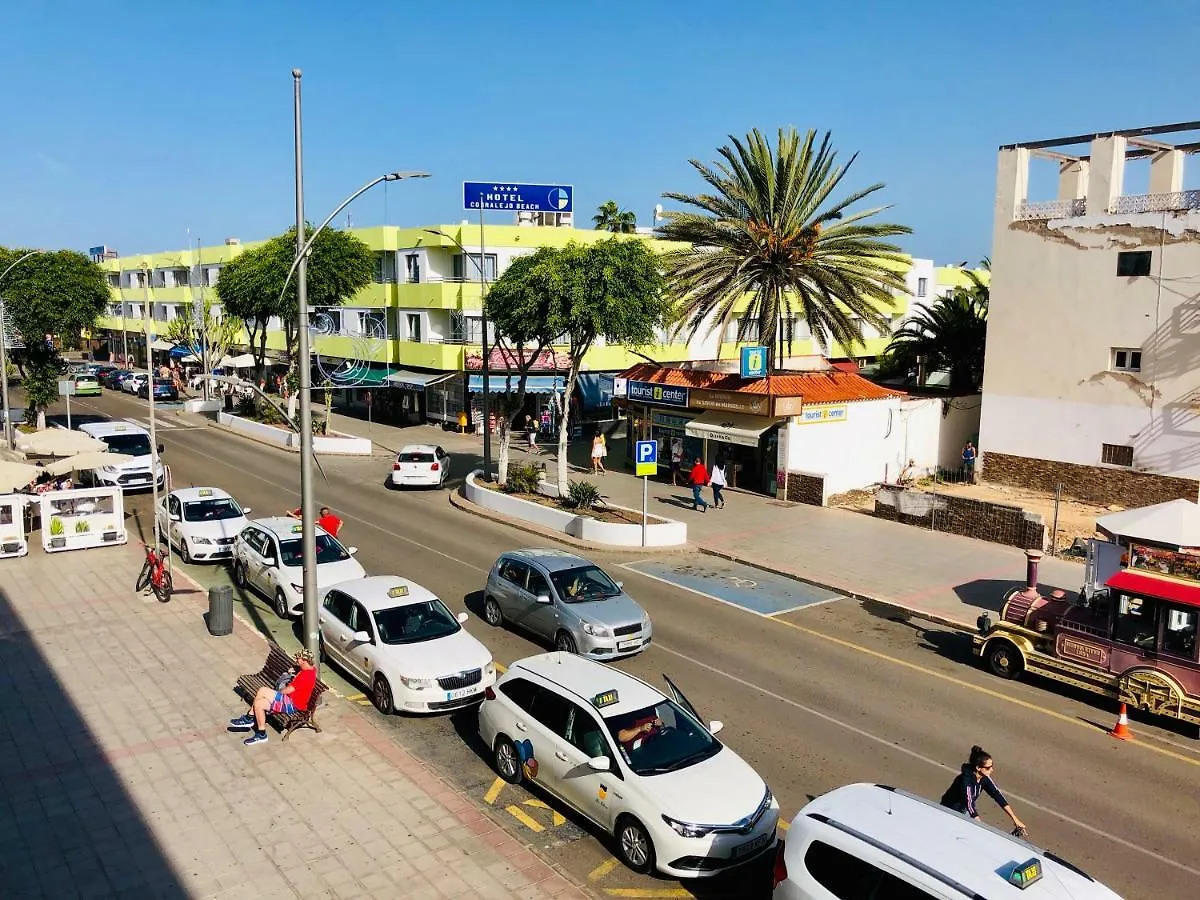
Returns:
(1121, 729)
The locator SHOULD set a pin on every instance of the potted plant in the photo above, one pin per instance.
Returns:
(82, 527)
(10, 543)
(110, 531)
(57, 538)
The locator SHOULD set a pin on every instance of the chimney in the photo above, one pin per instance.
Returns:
(1032, 558)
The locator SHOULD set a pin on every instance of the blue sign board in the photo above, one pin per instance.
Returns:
(662, 394)
(646, 457)
(754, 362)
(547, 198)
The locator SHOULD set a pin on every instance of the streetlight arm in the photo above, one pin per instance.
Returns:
(4, 274)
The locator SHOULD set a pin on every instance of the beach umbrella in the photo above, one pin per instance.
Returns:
(58, 442)
(84, 461)
(15, 475)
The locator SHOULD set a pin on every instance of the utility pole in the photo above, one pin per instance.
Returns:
(487, 363)
(147, 316)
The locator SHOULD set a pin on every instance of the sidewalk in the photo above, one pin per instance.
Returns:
(119, 778)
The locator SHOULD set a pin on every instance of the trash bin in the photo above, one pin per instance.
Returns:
(220, 610)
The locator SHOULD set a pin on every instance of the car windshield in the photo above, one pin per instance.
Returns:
(584, 583)
(213, 510)
(416, 622)
(417, 457)
(661, 738)
(328, 551)
(129, 444)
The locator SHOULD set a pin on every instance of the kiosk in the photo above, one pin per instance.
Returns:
(82, 518)
(12, 525)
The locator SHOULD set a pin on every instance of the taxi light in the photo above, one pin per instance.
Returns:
(780, 865)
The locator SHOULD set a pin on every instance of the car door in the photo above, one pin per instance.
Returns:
(267, 570)
(510, 581)
(360, 656)
(164, 522)
(541, 618)
(545, 726)
(589, 791)
(250, 554)
(175, 520)
(334, 617)
(444, 461)
(678, 696)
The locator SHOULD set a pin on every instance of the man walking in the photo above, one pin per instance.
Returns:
(699, 480)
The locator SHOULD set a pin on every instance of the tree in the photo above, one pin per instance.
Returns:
(519, 309)
(218, 332)
(49, 294)
(771, 231)
(949, 335)
(610, 217)
(249, 286)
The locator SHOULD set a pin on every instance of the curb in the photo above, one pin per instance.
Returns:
(462, 503)
(909, 611)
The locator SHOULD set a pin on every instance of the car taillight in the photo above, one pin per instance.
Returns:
(489, 694)
(433, 468)
(395, 467)
(780, 865)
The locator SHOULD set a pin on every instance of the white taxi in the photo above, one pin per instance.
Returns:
(399, 640)
(267, 559)
(421, 465)
(202, 523)
(640, 765)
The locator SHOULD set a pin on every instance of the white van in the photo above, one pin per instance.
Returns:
(130, 440)
(869, 840)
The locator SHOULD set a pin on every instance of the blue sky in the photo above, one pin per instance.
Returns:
(132, 123)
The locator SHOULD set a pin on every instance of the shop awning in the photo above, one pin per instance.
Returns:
(732, 428)
(161, 345)
(417, 381)
(595, 389)
(534, 384)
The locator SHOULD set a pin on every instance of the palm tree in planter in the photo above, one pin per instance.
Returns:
(949, 335)
(772, 233)
(610, 217)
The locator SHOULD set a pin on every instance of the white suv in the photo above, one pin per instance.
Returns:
(130, 440)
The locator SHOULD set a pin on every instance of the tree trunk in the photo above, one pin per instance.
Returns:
(564, 427)
(502, 454)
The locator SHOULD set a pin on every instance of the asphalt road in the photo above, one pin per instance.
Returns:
(825, 692)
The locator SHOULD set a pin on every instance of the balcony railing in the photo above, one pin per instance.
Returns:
(1052, 209)
(1143, 203)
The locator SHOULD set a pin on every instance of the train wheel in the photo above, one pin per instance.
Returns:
(1004, 660)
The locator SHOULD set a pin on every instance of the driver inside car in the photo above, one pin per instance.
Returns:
(634, 736)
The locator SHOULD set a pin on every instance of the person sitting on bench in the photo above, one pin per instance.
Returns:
(285, 698)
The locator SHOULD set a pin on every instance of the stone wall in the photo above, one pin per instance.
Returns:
(803, 488)
(1096, 484)
(993, 522)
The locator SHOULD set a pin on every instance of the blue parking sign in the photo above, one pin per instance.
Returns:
(646, 457)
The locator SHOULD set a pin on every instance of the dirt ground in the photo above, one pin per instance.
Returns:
(1075, 518)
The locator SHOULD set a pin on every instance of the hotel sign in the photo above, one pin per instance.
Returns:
(662, 394)
(732, 401)
(814, 414)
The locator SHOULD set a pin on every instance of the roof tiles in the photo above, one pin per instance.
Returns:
(832, 386)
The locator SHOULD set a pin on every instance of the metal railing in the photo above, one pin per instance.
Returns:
(1141, 203)
(1052, 209)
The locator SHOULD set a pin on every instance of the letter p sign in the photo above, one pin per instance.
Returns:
(646, 457)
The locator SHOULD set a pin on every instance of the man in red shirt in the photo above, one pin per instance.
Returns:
(331, 523)
(286, 699)
(699, 480)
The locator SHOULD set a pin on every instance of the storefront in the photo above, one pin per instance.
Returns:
(411, 394)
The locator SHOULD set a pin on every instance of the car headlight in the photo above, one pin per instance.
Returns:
(490, 669)
(597, 630)
(417, 684)
(200, 540)
(111, 470)
(687, 829)
(298, 588)
(645, 621)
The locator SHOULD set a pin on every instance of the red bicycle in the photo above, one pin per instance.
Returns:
(154, 575)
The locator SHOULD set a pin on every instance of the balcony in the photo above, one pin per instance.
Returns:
(1051, 209)
(1180, 201)
(439, 293)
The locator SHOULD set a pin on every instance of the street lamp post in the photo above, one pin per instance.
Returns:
(483, 339)
(147, 318)
(4, 330)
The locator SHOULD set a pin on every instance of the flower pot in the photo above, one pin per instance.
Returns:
(109, 536)
(58, 542)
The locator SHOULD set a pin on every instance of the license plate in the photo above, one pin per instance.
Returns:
(750, 846)
(628, 645)
(139, 477)
(460, 693)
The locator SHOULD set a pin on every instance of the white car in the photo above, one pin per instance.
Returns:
(132, 382)
(639, 765)
(201, 523)
(129, 440)
(420, 464)
(404, 644)
(267, 559)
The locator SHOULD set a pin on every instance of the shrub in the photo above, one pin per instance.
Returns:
(523, 478)
(247, 406)
(582, 495)
(82, 527)
(56, 526)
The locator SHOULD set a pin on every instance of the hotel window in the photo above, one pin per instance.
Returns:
(1116, 454)
(180, 277)
(414, 327)
(922, 287)
(114, 279)
(468, 269)
(747, 329)
(1126, 359)
(385, 268)
(412, 268)
(1133, 263)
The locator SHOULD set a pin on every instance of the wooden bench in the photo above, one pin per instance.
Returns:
(278, 662)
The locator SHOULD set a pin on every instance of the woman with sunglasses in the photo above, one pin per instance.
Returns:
(974, 779)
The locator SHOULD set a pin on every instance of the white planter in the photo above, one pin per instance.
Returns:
(665, 533)
(202, 406)
(344, 444)
(335, 444)
(268, 434)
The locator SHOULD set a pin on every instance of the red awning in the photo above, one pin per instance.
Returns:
(1161, 588)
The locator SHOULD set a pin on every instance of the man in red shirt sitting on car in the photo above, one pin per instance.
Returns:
(285, 698)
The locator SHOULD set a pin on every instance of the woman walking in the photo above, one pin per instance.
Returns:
(974, 779)
(599, 451)
(717, 479)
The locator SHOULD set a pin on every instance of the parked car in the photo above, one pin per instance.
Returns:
(202, 523)
(127, 439)
(401, 642)
(131, 382)
(566, 600)
(164, 389)
(86, 386)
(113, 377)
(420, 464)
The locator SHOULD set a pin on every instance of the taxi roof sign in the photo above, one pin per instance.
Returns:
(608, 698)
(296, 529)
(400, 590)
(1026, 873)
(205, 492)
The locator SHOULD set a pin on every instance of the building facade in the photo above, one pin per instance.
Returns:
(1091, 378)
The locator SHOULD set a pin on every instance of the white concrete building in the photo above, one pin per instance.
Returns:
(1092, 376)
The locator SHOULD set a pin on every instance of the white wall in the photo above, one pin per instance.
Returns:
(959, 425)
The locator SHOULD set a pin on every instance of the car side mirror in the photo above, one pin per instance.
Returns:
(543, 598)
(351, 550)
(270, 560)
(620, 585)
(714, 727)
(599, 764)
(175, 517)
(161, 448)
(462, 618)
(361, 637)
(246, 510)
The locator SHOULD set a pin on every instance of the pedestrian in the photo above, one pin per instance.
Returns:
(676, 460)
(699, 480)
(331, 523)
(531, 433)
(599, 451)
(968, 461)
(289, 695)
(718, 482)
(975, 778)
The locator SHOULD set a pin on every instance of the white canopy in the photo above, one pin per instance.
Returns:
(244, 361)
(58, 442)
(1175, 523)
(732, 428)
(15, 475)
(89, 460)
(160, 344)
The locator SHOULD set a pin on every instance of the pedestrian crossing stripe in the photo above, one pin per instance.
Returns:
(145, 423)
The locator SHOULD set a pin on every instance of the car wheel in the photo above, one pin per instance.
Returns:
(381, 695)
(492, 613)
(184, 553)
(508, 761)
(239, 574)
(281, 605)
(564, 642)
(634, 846)
(1004, 660)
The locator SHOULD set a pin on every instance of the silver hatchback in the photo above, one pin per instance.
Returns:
(567, 600)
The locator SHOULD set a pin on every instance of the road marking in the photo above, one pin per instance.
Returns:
(493, 792)
(892, 745)
(784, 612)
(648, 892)
(556, 818)
(355, 696)
(684, 587)
(783, 825)
(773, 595)
(603, 869)
(501, 668)
(528, 821)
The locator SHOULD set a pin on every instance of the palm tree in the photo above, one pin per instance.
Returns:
(771, 232)
(947, 336)
(610, 217)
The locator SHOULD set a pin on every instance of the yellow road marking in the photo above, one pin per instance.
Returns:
(784, 826)
(363, 702)
(493, 792)
(987, 692)
(528, 821)
(556, 818)
(603, 869)
(648, 892)
(501, 668)
(355, 696)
